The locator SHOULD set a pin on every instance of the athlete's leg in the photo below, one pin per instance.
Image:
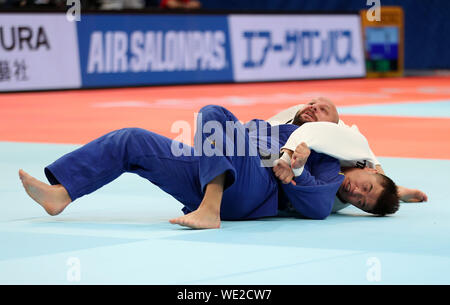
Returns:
(149, 155)
(246, 184)
(101, 161)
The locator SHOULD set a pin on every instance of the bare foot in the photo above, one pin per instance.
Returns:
(207, 215)
(202, 218)
(53, 198)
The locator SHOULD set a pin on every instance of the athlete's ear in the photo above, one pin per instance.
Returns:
(370, 170)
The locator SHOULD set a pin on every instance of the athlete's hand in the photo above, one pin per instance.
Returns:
(283, 171)
(300, 155)
(411, 195)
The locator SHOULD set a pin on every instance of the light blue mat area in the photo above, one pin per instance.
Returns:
(120, 235)
(436, 109)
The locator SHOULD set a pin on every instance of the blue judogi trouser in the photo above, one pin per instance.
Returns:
(250, 189)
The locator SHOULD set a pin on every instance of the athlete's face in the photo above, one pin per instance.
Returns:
(318, 110)
(361, 188)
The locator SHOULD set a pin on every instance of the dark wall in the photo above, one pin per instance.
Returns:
(427, 23)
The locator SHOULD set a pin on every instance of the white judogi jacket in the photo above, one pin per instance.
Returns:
(341, 141)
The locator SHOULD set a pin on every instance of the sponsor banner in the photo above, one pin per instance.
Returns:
(121, 50)
(38, 51)
(291, 47)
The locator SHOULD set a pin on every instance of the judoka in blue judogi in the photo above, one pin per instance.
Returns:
(250, 189)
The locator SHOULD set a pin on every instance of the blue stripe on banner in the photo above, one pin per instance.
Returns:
(121, 50)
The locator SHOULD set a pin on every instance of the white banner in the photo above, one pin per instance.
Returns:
(38, 51)
(290, 47)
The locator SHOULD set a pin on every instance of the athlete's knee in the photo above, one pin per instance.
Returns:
(135, 131)
(211, 107)
(213, 113)
(124, 135)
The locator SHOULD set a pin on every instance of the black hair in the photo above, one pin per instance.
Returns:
(388, 202)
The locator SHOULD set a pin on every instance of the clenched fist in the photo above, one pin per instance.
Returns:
(300, 155)
(411, 195)
(283, 171)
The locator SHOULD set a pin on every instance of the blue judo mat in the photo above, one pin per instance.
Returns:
(121, 235)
